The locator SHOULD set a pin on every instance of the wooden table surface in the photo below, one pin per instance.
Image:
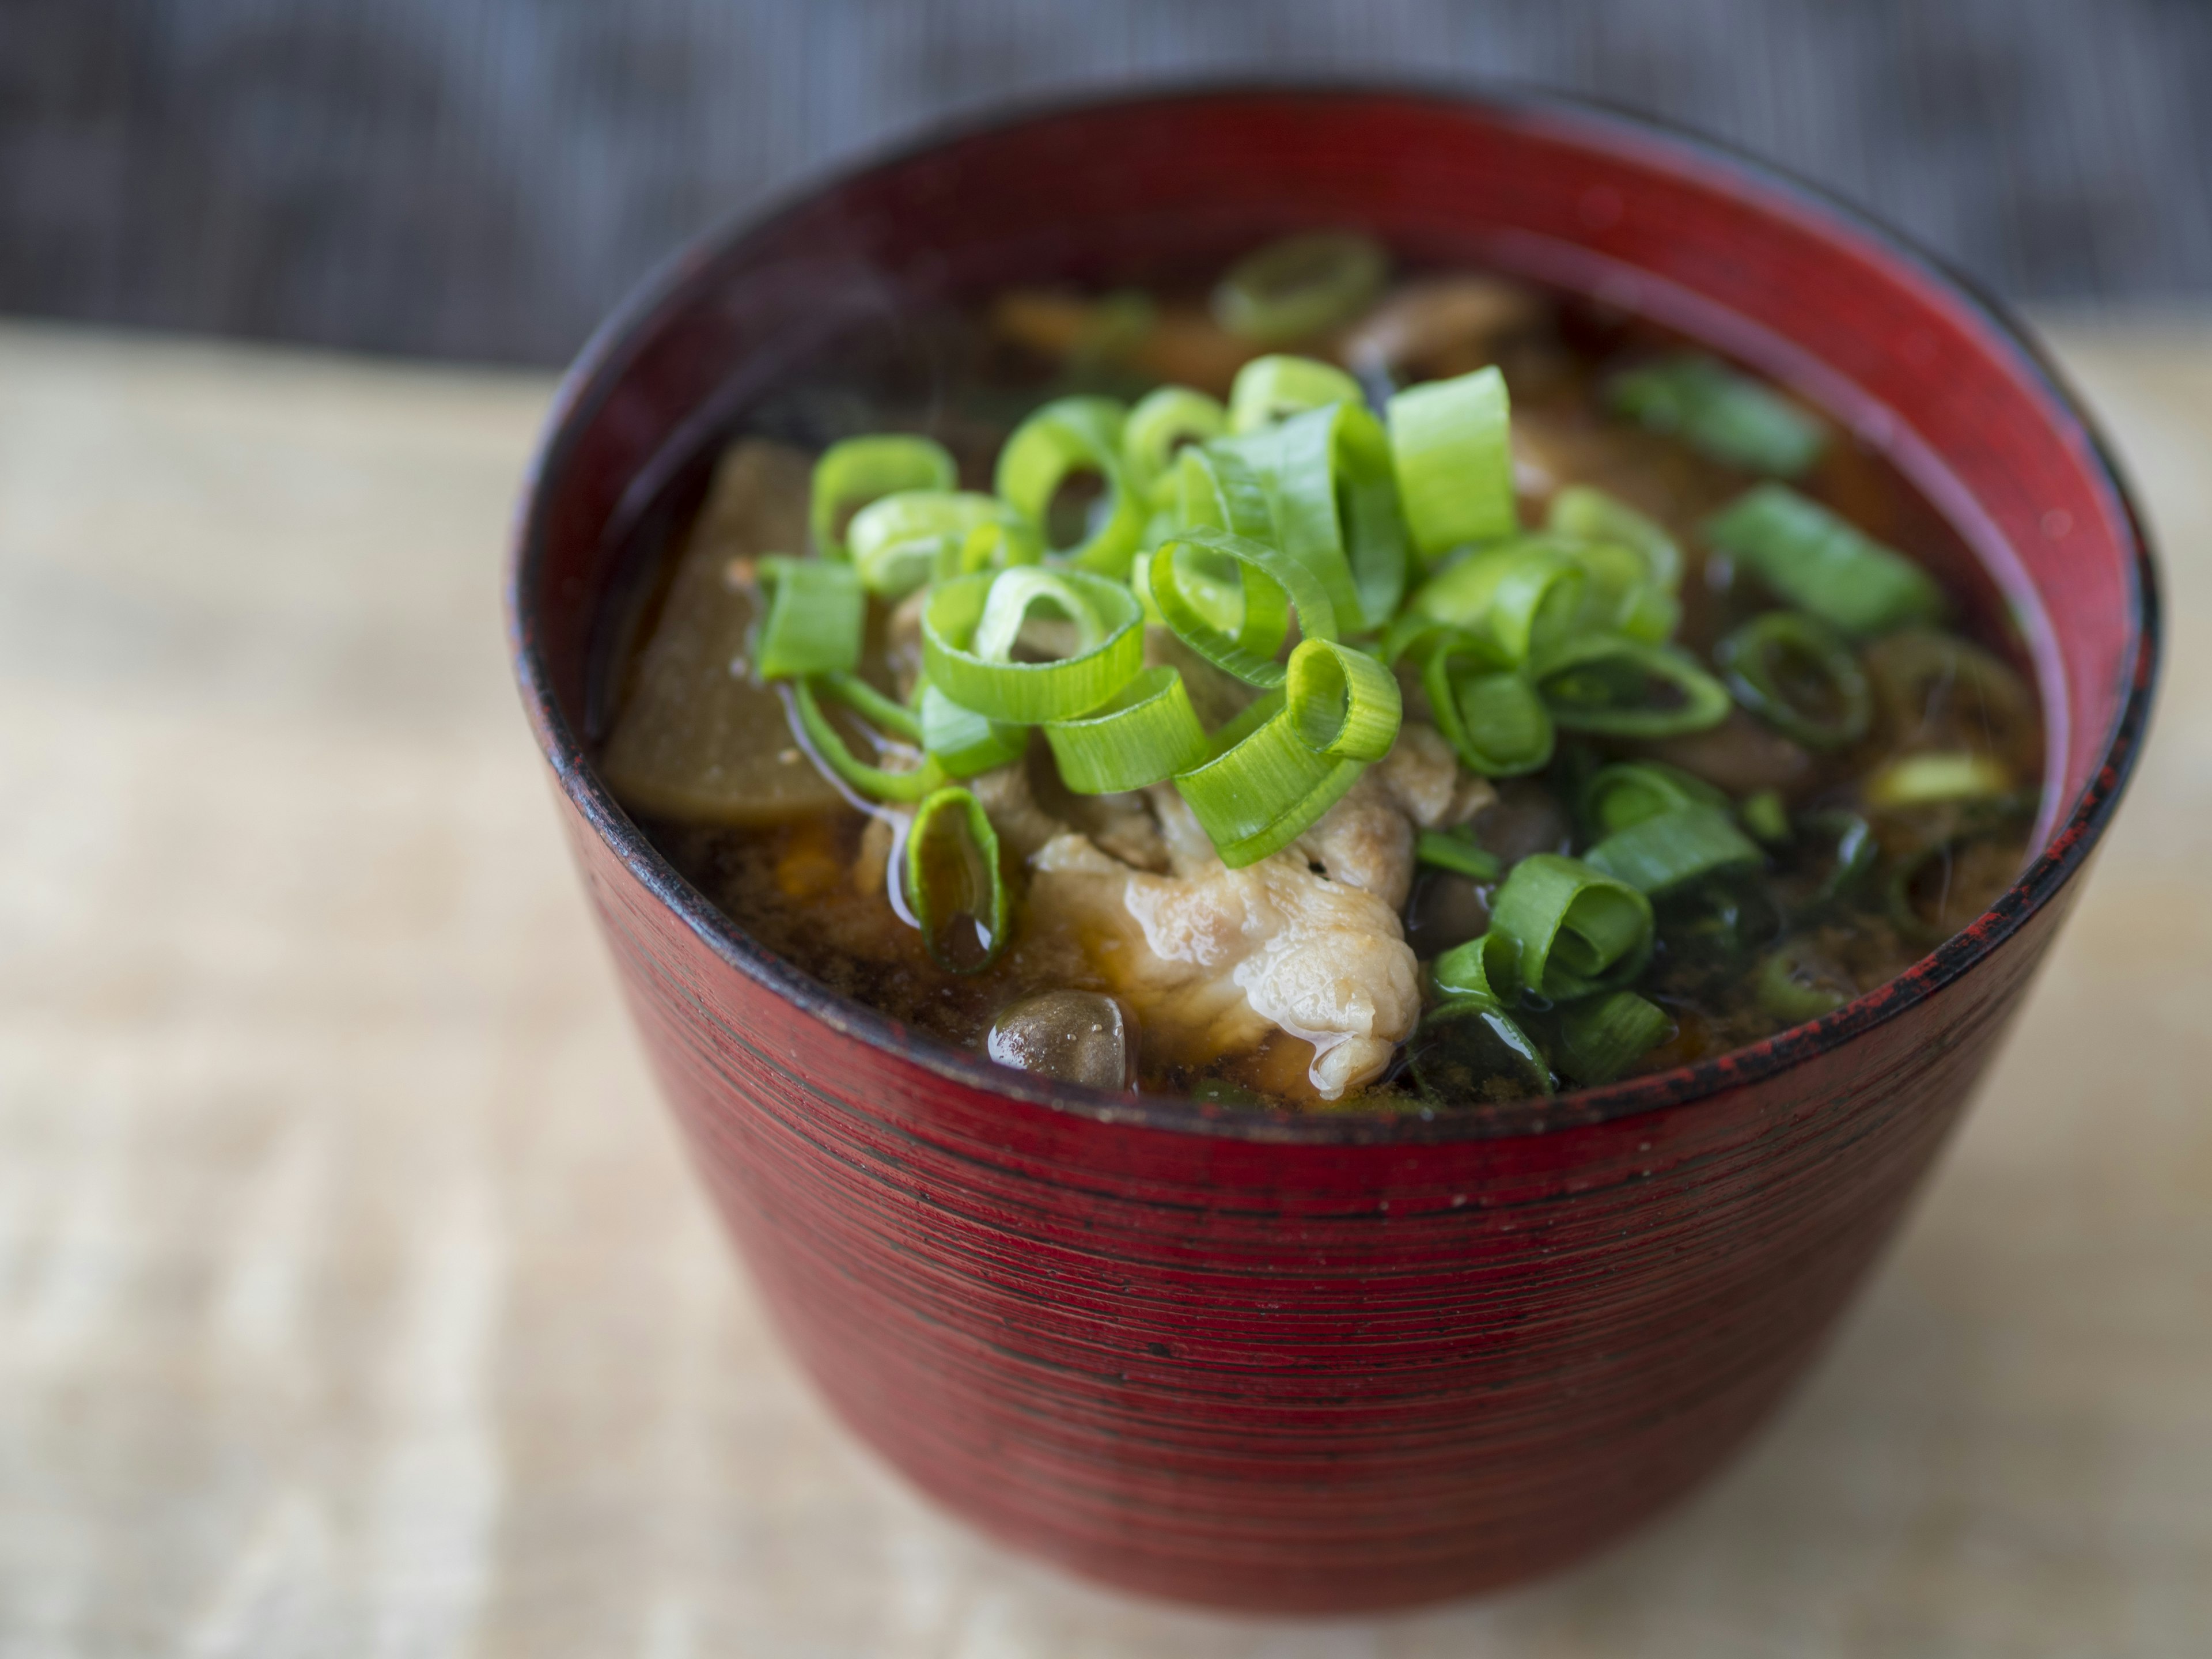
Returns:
(354, 1298)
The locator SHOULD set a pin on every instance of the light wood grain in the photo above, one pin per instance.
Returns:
(354, 1299)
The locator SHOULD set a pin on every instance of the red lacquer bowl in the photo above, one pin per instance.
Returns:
(1334, 1362)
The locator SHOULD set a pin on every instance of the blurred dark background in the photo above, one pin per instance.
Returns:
(483, 179)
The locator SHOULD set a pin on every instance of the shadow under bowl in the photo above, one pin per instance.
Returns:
(1348, 1361)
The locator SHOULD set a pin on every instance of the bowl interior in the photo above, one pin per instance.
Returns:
(1719, 249)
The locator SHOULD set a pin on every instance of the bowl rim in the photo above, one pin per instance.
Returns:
(609, 352)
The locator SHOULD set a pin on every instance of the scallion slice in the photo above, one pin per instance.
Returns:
(815, 615)
(1728, 415)
(1798, 675)
(1332, 505)
(1264, 784)
(1268, 579)
(1495, 721)
(1300, 285)
(901, 541)
(1628, 791)
(1618, 593)
(827, 745)
(1070, 436)
(1273, 388)
(1793, 986)
(1457, 854)
(1525, 597)
(1575, 929)
(1613, 686)
(982, 676)
(1147, 730)
(1661, 854)
(1590, 514)
(1484, 967)
(1163, 419)
(1819, 563)
(1346, 703)
(1855, 849)
(1766, 815)
(962, 741)
(1471, 1049)
(1602, 1036)
(952, 876)
(1218, 488)
(1451, 442)
(1933, 776)
(856, 472)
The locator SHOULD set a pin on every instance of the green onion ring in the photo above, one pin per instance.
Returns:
(1602, 1036)
(1076, 434)
(1588, 513)
(1028, 693)
(1820, 563)
(1671, 850)
(1619, 595)
(1300, 285)
(1937, 776)
(1483, 967)
(816, 614)
(1269, 577)
(1451, 443)
(1147, 730)
(901, 541)
(1766, 815)
(962, 742)
(856, 472)
(1855, 848)
(1577, 930)
(1273, 388)
(828, 746)
(1783, 984)
(1495, 721)
(1217, 488)
(1346, 704)
(928, 874)
(1580, 682)
(1628, 791)
(1728, 415)
(1263, 786)
(1525, 596)
(1164, 418)
(1333, 505)
(1784, 665)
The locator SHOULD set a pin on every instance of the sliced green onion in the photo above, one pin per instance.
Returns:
(1618, 594)
(1590, 514)
(1017, 592)
(1903, 895)
(856, 472)
(1798, 675)
(1603, 1037)
(1298, 286)
(1457, 854)
(1269, 578)
(1028, 693)
(963, 742)
(1721, 413)
(902, 541)
(1628, 791)
(1451, 442)
(828, 746)
(1686, 844)
(1070, 436)
(815, 617)
(1483, 967)
(1819, 563)
(1218, 488)
(952, 875)
(1618, 686)
(1162, 419)
(1495, 723)
(1471, 1049)
(998, 543)
(1346, 703)
(1575, 930)
(1924, 780)
(1794, 988)
(1332, 505)
(1270, 389)
(1264, 785)
(1147, 730)
(1766, 816)
(1525, 597)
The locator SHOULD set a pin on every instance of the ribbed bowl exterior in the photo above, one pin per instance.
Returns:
(1341, 1363)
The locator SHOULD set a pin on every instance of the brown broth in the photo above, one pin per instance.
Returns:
(811, 886)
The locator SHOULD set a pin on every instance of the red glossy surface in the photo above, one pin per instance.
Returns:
(1327, 1363)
